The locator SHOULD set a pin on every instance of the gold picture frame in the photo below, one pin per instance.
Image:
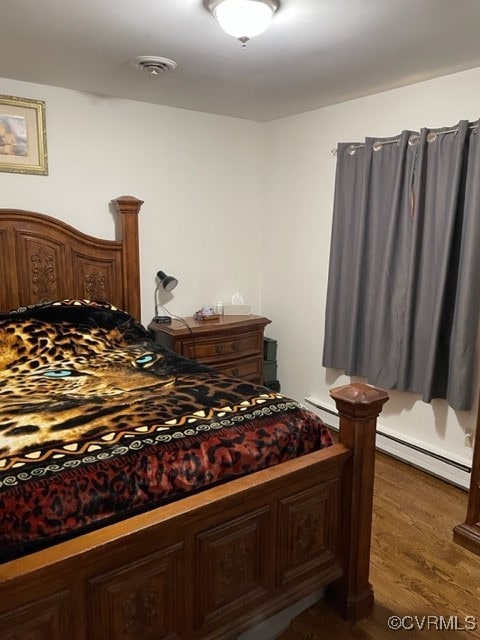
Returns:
(23, 136)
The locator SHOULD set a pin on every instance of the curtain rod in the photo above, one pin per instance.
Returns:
(431, 137)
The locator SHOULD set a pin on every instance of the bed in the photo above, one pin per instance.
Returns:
(467, 533)
(201, 560)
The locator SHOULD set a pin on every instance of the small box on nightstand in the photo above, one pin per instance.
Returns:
(236, 310)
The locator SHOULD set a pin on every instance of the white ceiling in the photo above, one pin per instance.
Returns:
(316, 52)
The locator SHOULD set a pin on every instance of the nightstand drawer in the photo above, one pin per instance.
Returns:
(247, 369)
(217, 348)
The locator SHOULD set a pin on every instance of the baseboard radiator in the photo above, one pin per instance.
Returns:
(451, 469)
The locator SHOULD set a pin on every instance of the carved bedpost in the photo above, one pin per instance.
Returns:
(128, 207)
(467, 534)
(358, 406)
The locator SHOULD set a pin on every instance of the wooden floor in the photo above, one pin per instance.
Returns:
(416, 569)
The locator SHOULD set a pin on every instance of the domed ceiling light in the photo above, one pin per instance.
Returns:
(243, 19)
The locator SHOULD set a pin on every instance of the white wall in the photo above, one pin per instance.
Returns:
(201, 177)
(299, 182)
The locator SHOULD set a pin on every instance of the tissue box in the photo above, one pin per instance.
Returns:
(236, 309)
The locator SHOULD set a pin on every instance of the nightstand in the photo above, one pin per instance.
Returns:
(230, 344)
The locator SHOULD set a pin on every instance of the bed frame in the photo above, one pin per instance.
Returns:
(467, 533)
(213, 564)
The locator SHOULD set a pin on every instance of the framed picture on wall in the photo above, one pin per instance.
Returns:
(23, 136)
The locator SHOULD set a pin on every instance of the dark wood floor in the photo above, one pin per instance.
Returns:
(416, 569)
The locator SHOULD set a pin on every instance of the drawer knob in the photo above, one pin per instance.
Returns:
(234, 346)
(235, 372)
(219, 348)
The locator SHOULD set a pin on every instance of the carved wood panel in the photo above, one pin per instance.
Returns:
(45, 619)
(40, 265)
(235, 568)
(307, 523)
(140, 601)
(41, 261)
(94, 279)
(32, 240)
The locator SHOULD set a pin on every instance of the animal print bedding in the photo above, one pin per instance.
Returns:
(98, 422)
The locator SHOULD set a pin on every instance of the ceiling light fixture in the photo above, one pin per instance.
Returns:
(243, 19)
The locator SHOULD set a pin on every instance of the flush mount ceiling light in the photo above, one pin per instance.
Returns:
(154, 65)
(243, 19)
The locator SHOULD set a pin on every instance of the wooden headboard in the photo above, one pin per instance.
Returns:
(43, 259)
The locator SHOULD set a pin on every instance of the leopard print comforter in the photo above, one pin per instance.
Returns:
(98, 422)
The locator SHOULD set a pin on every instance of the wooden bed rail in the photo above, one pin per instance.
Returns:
(358, 406)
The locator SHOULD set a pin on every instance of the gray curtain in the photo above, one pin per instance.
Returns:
(403, 287)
